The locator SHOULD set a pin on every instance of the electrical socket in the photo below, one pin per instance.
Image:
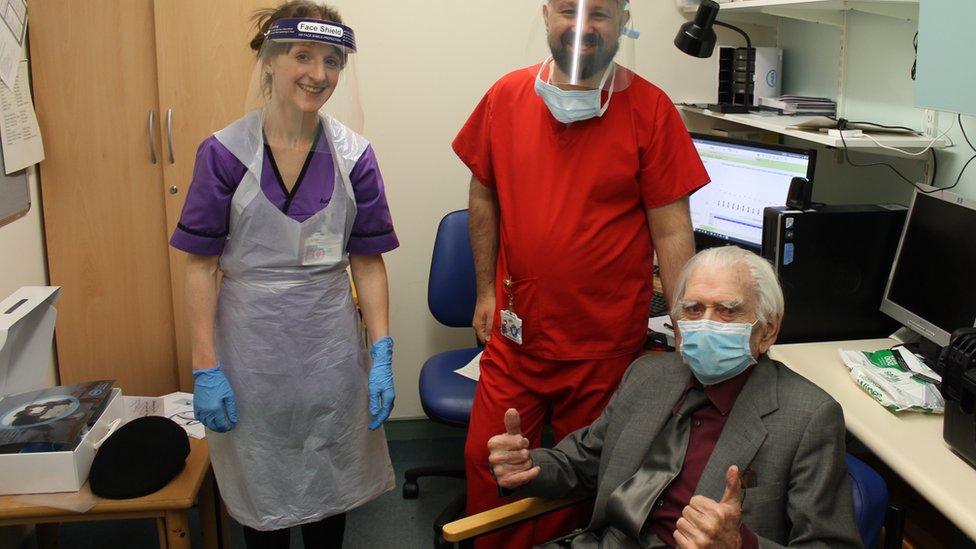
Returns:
(930, 122)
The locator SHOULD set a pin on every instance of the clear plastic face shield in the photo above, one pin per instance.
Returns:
(305, 68)
(587, 42)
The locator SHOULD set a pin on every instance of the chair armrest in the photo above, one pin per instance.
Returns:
(500, 517)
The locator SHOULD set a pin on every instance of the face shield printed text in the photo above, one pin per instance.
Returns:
(320, 28)
(293, 30)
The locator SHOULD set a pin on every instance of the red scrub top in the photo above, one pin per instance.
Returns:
(573, 230)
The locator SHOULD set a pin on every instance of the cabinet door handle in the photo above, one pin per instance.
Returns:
(169, 134)
(149, 131)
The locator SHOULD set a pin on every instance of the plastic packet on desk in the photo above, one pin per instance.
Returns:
(898, 389)
(77, 502)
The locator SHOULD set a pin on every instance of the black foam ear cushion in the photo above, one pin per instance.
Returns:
(143, 456)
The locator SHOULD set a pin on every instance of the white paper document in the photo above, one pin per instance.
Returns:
(471, 370)
(916, 365)
(136, 407)
(662, 325)
(12, 32)
(175, 406)
(21, 136)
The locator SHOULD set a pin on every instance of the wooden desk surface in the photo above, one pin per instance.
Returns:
(179, 494)
(910, 443)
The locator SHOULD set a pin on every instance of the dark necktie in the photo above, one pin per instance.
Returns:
(629, 506)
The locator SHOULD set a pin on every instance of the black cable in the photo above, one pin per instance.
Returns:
(876, 125)
(740, 31)
(935, 166)
(964, 166)
(958, 179)
(847, 123)
(963, 129)
(915, 63)
(843, 123)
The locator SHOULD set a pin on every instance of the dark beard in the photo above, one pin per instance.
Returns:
(590, 65)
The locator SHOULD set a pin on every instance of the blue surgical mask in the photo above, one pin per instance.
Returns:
(568, 106)
(716, 351)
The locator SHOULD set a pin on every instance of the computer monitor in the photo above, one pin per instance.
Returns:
(746, 178)
(931, 287)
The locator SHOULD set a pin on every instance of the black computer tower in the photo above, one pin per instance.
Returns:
(957, 363)
(833, 265)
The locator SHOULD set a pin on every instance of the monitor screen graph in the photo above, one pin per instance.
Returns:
(746, 177)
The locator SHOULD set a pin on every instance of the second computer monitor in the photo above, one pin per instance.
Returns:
(930, 288)
(746, 178)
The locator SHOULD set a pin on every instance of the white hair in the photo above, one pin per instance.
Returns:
(765, 285)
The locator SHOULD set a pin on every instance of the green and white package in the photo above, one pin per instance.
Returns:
(897, 388)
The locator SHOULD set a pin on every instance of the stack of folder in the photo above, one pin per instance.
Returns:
(798, 104)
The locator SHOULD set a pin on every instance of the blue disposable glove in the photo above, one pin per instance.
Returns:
(381, 393)
(213, 400)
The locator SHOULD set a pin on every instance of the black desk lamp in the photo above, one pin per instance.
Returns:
(697, 38)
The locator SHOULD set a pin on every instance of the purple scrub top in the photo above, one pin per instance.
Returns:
(203, 225)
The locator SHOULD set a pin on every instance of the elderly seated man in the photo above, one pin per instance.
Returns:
(718, 446)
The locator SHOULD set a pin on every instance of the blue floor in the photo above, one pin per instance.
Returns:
(389, 521)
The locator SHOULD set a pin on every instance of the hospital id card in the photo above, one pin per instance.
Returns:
(511, 326)
(316, 250)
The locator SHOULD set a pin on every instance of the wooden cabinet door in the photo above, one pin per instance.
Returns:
(94, 76)
(204, 68)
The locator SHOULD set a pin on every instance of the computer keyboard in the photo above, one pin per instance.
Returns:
(659, 305)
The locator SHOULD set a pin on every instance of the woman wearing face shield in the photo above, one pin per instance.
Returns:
(281, 202)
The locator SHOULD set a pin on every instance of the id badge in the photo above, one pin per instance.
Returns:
(511, 326)
(316, 249)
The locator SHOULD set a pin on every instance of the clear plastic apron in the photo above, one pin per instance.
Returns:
(287, 335)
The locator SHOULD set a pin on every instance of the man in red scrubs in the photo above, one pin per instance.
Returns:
(580, 171)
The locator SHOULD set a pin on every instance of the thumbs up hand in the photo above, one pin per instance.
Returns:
(705, 522)
(508, 455)
(733, 494)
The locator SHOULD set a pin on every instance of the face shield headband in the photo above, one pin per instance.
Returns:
(576, 25)
(314, 30)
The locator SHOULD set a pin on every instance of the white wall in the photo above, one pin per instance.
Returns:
(23, 264)
(423, 66)
(878, 88)
(22, 256)
(22, 247)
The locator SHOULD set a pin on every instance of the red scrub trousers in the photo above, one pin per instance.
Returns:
(573, 392)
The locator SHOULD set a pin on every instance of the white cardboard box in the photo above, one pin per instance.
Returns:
(26, 330)
(46, 472)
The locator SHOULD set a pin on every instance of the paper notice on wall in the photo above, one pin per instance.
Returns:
(13, 14)
(21, 136)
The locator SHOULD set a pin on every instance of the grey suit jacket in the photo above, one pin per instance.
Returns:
(786, 429)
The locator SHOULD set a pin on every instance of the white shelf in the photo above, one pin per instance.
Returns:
(780, 124)
(830, 12)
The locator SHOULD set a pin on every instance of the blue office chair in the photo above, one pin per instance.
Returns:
(870, 503)
(446, 396)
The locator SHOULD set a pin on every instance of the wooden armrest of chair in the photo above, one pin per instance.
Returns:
(500, 517)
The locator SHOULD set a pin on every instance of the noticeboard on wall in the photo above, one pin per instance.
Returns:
(946, 52)
(14, 195)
